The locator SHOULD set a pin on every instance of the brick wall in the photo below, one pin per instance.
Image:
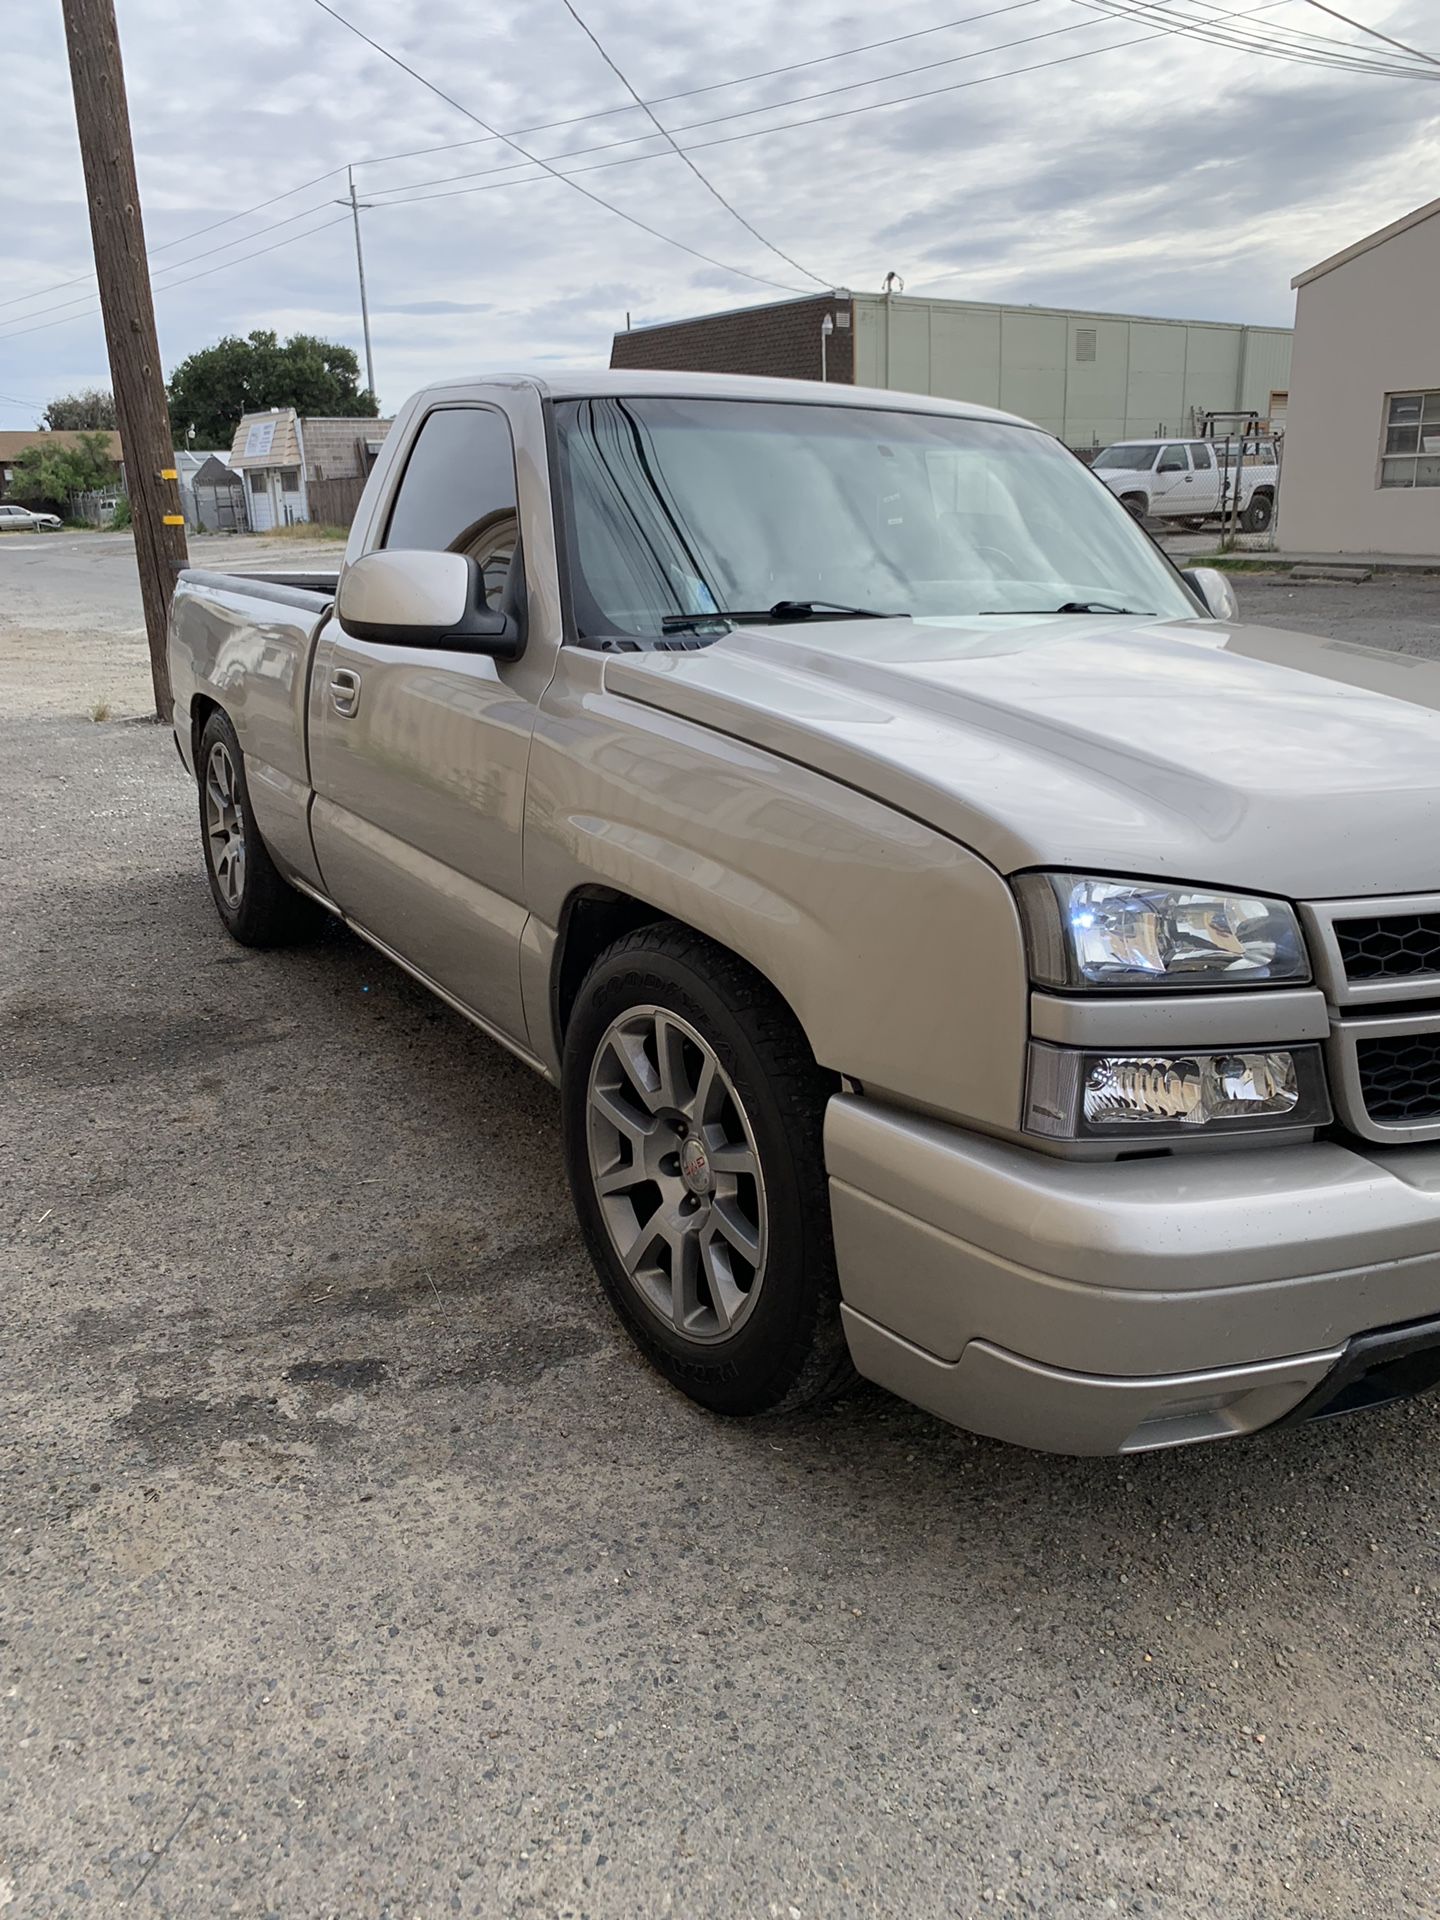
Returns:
(780, 341)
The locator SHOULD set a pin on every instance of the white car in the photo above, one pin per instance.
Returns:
(1189, 479)
(22, 520)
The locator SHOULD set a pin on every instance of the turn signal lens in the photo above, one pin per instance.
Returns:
(1077, 1096)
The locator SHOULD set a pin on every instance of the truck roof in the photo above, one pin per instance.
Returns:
(585, 383)
(1170, 439)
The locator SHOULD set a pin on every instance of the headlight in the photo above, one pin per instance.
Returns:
(1087, 931)
(1102, 1096)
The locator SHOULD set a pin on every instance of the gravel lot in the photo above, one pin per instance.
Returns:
(355, 1566)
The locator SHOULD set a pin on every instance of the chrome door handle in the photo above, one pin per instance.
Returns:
(344, 691)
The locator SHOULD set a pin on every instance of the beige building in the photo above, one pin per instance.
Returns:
(1362, 441)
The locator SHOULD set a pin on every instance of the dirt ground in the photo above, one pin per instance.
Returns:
(354, 1565)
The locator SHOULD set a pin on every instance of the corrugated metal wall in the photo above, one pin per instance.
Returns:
(1088, 377)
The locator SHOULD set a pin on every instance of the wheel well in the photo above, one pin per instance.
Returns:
(201, 708)
(593, 920)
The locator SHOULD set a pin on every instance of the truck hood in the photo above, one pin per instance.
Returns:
(1236, 755)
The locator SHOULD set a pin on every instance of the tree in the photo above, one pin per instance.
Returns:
(48, 475)
(210, 390)
(90, 409)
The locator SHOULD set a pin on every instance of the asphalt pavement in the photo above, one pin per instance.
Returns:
(354, 1564)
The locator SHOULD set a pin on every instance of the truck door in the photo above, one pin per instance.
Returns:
(1203, 492)
(418, 755)
(1173, 482)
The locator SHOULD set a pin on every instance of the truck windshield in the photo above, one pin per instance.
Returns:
(689, 507)
(1125, 459)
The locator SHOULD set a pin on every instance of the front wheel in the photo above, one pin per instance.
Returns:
(1136, 505)
(693, 1110)
(258, 906)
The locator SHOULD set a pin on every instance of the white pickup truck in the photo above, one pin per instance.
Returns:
(965, 951)
(1192, 480)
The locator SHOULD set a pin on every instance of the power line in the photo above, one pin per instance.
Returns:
(407, 187)
(199, 233)
(580, 152)
(1113, 8)
(753, 133)
(554, 172)
(813, 120)
(680, 153)
(1374, 32)
(219, 267)
(450, 146)
(724, 140)
(713, 86)
(775, 106)
(1307, 49)
(1219, 31)
(223, 247)
(842, 53)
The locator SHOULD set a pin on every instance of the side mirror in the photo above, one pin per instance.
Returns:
(408, 597)
(1215, 590)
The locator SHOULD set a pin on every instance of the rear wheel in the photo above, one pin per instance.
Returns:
(693, 1111)
(259, 908)
(1258, 515)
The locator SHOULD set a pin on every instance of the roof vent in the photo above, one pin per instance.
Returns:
(1084, 344)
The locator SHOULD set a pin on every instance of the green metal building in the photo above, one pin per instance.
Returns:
(1089, 378)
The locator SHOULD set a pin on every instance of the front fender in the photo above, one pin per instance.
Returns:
(899, 951)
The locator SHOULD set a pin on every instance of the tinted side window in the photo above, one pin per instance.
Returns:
(457, 492)
(1200, 455)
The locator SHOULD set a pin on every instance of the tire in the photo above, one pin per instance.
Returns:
(1193, 523)
(754, 1326)
(1137, 506)
(1257, 516)
(257, 906)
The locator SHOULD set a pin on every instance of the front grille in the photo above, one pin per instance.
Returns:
(1400, 1078)
(1400, 946)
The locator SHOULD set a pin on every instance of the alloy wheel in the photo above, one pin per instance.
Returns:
(224, 825)
(677, 1174)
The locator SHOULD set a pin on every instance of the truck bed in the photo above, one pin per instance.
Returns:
(306, 590)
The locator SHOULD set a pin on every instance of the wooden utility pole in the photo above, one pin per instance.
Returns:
(103, 120)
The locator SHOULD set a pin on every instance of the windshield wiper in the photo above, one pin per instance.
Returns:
(782, 610)
(1068, 606)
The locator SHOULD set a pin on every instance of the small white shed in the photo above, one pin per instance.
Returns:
(267, 451)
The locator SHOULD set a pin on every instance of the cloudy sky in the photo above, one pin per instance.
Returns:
(1056, 154)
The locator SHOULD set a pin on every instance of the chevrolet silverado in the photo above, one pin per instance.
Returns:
(966, 952)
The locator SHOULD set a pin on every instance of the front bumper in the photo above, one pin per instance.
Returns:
(1111, 1307)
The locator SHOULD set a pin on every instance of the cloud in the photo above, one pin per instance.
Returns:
(1170, 177)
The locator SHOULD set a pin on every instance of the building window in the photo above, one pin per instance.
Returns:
(290, 479)
(257, 480)
(1412, 440)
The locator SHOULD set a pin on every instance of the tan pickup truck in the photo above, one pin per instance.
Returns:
(964, 950)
